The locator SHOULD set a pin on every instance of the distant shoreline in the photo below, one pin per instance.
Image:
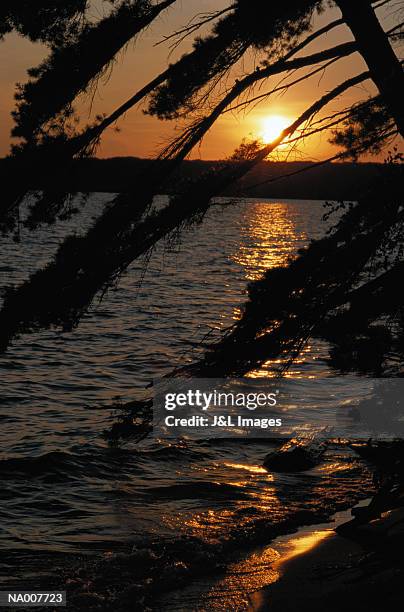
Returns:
(286, 180)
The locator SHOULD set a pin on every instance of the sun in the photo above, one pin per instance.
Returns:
(272, 127)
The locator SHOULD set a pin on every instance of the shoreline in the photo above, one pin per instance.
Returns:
(315, 568)
(302, 554)
(333, 572)
(268, 180)
(247, 582)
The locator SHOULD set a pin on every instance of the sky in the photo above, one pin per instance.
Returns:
(144, 136)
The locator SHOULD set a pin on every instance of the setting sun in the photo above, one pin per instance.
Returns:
(272, 127)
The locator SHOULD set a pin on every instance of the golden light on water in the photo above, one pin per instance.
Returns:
(272, 232)
(272, 127)
(254, 469)
(303, 544)
(268, 232)
(333, 468)
(270, 368)
(233, 590)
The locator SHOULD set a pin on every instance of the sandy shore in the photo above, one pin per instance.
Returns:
(325, 571)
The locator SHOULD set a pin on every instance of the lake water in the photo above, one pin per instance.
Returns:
(63, 490)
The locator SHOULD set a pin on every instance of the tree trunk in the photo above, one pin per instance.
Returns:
(384, 66)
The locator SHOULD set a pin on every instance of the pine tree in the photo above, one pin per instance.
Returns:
(316, 292)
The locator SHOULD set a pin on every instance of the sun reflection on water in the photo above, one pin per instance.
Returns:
(272, 233)
(303, 544)
(267, 234)
(254, 469)
(269, 368)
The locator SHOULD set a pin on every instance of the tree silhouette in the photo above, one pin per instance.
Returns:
(317, 288)
(48, 21)
(72, 66)
(385, 68)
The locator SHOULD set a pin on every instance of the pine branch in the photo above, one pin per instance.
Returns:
(183, 145)
(60, 294)
(82, 141)
(72, 68)
(193, 27)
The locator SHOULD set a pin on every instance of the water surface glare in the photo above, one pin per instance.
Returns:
(63, 490)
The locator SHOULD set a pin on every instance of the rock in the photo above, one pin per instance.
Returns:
(298, 454)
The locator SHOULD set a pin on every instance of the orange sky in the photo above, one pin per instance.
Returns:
(144, 136)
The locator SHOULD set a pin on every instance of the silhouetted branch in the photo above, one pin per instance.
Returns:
(183, 145)
(72, 67)
(61, 293)
(296, 81)
(376, 50)
(94, 132)
(281, 87)
(309, 296)
(378, 5)
(61, 151)
(193, 27)
(314, 36)
(81, 143)
(341, 155)
(48, 21)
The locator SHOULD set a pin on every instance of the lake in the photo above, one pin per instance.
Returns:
(64, 492)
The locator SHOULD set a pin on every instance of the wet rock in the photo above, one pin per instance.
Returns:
(296, 455)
